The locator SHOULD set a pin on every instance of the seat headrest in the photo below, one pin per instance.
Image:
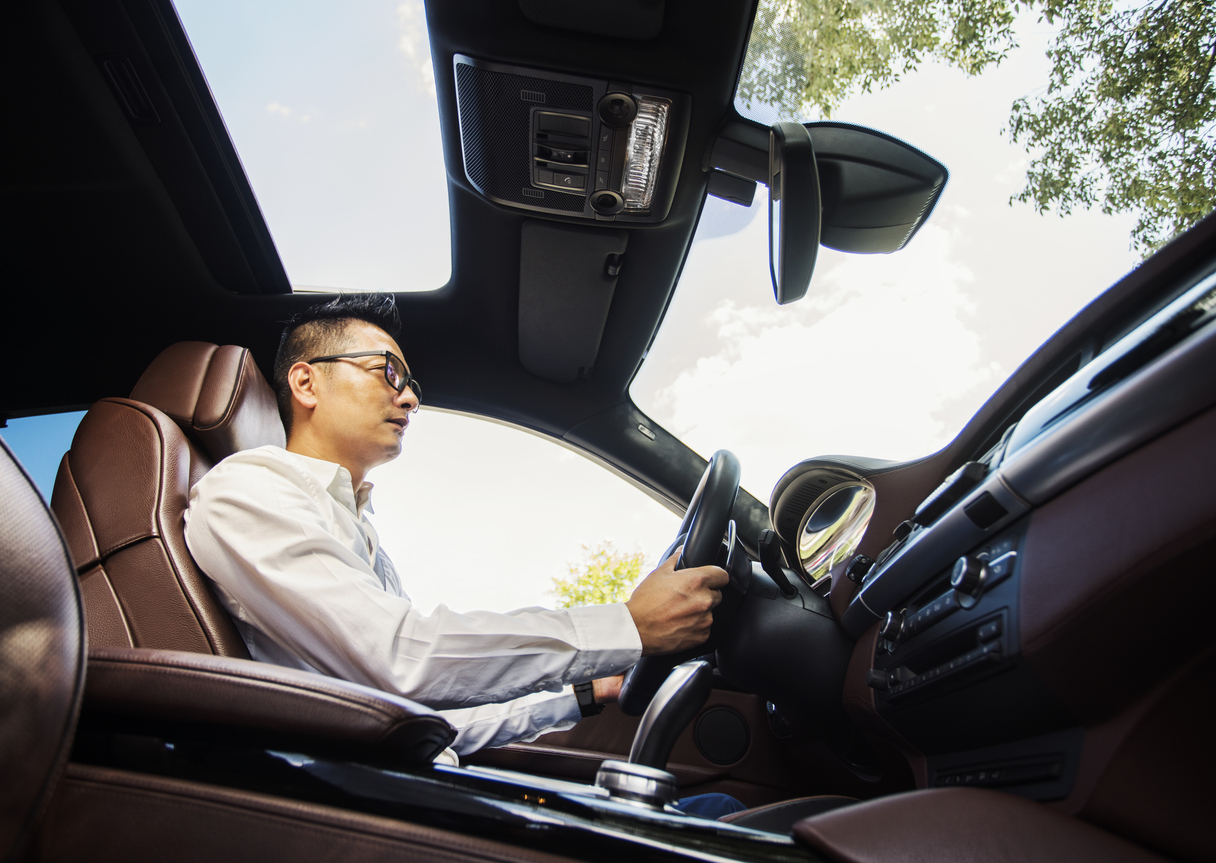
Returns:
(216, 394)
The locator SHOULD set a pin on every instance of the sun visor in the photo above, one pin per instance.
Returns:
(567, 275)
(876, 190)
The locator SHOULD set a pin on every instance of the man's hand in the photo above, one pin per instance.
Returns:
(672, 608)
(606, 690)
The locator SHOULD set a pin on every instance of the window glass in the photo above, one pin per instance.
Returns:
(887, 356)
(477, 515)
(332, 109)
(39, 444)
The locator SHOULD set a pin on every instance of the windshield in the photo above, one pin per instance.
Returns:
(332, 109)
(888, 356)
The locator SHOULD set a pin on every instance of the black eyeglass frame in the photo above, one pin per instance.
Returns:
(408, 380)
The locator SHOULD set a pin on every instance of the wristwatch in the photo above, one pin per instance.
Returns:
(586, 700)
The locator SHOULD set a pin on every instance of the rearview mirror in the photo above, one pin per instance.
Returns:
(794, 210)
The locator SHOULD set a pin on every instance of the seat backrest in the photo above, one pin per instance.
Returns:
(41, 655)
(123, 487)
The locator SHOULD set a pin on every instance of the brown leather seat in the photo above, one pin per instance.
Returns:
(41, 655)
(124, 485)
(54, 810)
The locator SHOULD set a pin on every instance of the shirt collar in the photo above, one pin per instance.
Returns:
(336, 480)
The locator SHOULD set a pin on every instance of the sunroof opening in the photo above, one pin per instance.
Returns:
(332, 109)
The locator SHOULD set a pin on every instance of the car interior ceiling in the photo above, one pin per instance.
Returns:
(131, 232)
(152, 231)
(163, 216)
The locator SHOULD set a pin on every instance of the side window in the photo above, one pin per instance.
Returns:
(39, 444)
(477, 515)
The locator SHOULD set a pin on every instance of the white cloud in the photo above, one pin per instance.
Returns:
(416, 44)
(283, 111)
(865, 365)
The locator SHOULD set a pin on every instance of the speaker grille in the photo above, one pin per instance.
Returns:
(721, 735)
(495, 134)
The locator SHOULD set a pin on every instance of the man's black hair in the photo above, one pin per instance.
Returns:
(321, 330)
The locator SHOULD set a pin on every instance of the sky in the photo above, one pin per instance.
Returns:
(888, 356)
(39, 443)
(332, 110)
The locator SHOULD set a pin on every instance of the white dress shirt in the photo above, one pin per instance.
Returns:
(299, 568)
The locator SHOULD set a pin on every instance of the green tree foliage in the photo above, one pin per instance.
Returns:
(1127, 121)
(816, 53)
(605, 576)
(1128, 118)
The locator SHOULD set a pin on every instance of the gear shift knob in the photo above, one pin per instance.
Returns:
(643, 778)
(672, 708)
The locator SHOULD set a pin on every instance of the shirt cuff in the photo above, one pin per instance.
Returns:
(608, 641)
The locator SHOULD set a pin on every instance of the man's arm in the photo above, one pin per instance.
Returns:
(524, 719)
(259, 530)
(521, 720)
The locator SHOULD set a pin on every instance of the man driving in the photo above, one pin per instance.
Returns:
(284, 536)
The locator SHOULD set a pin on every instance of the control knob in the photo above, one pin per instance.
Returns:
(859, 568)
(879, 680)
(970, 575)
(892, 626)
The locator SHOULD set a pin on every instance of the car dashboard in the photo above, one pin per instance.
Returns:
(1051, 589)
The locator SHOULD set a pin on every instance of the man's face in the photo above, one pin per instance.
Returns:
(360, 416)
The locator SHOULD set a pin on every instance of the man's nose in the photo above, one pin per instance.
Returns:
(406, 399)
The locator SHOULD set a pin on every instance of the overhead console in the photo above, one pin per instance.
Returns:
(567, 145)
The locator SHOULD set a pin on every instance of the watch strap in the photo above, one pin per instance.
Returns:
(586, 699)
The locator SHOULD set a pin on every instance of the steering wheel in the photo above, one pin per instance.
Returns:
(701, 532)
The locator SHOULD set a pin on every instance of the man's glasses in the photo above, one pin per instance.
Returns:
(394, 369)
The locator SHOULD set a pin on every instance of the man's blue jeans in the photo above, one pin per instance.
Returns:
(709, 805)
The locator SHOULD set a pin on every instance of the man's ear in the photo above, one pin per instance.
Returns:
(302, 378)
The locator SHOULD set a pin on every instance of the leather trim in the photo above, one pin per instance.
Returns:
(216, 394)
(222, 387)
(104, 615)
(173, 382)
(69, 507)
(781, 817)
(1156, 787)
(42, 648)
(131, 468)
(1141, 530)
(116, 460)
(158, 611)
(102, 815)
(961, 825)
(242, 694)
